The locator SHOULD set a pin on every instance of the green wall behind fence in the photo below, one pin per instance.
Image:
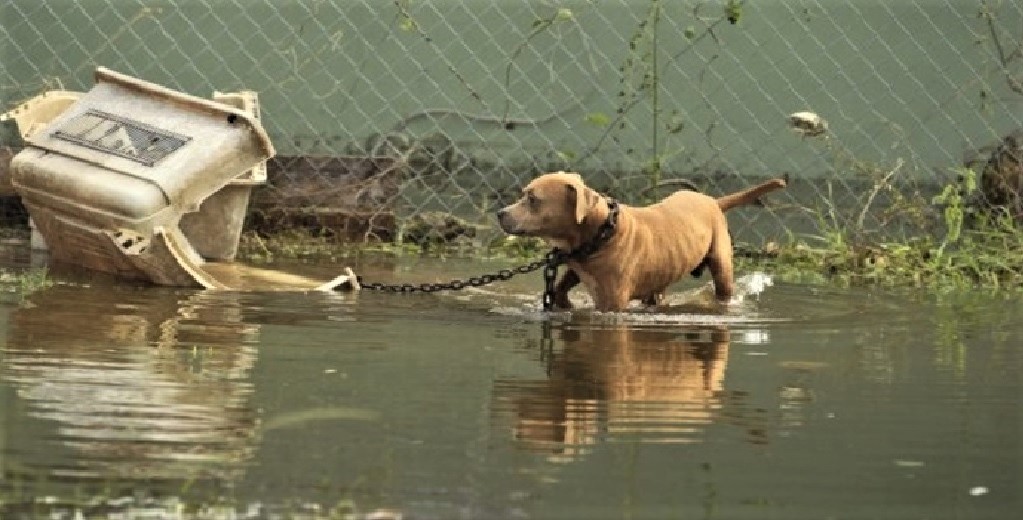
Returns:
(914, 79)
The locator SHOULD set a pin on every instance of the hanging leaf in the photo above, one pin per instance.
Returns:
(733, 11)
(598, 119)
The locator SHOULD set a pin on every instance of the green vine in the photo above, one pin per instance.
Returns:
(640, 82)
(540, 25)
(733, 11)
(1006, 53)
(407, 23)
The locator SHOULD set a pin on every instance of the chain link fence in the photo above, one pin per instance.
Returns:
(414, 120)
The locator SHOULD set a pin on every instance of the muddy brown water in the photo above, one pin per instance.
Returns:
(806, 402)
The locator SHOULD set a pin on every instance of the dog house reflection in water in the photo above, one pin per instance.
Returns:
(616, 383)
(155, 388)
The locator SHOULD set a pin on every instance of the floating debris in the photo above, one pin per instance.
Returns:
(808, 124)
(909, 463)
(303, 417)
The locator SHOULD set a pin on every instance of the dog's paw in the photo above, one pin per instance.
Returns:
(562, 303)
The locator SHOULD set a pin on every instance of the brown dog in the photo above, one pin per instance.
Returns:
(651, 247)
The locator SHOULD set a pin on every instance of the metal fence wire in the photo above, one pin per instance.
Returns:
(414, 120)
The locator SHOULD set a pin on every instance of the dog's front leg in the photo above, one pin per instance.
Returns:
(612, 297)
(569, 280)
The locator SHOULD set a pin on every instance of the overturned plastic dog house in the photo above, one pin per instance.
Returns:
(144, 182)
(214, 230)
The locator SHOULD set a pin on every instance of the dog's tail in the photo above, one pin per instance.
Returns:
(750, 195)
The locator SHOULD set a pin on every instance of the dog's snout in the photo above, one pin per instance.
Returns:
(505, 220)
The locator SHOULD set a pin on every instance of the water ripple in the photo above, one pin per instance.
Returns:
(139, 384)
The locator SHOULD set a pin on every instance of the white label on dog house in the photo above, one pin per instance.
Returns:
(121, 136)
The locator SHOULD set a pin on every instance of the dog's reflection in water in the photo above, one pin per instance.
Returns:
(620, 382)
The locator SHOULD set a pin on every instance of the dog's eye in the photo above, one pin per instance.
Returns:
(533, 201)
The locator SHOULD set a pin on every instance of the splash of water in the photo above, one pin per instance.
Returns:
(696, 306)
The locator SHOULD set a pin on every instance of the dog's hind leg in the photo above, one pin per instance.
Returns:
(724, 282)
(698, 270)
(720, 263)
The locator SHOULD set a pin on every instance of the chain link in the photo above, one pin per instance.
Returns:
(553, 259)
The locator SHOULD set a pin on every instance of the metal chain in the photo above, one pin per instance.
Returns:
(553, 259)
(550, 263)
(457, 284)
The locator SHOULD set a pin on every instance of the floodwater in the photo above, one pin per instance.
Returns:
(803, 402)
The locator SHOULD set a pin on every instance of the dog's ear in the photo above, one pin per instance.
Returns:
(582, 197)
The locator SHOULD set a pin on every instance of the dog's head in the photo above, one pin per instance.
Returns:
(553, 206)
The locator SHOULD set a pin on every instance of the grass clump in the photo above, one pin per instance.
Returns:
(24, 282)
(972, 246)
(990, 259)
